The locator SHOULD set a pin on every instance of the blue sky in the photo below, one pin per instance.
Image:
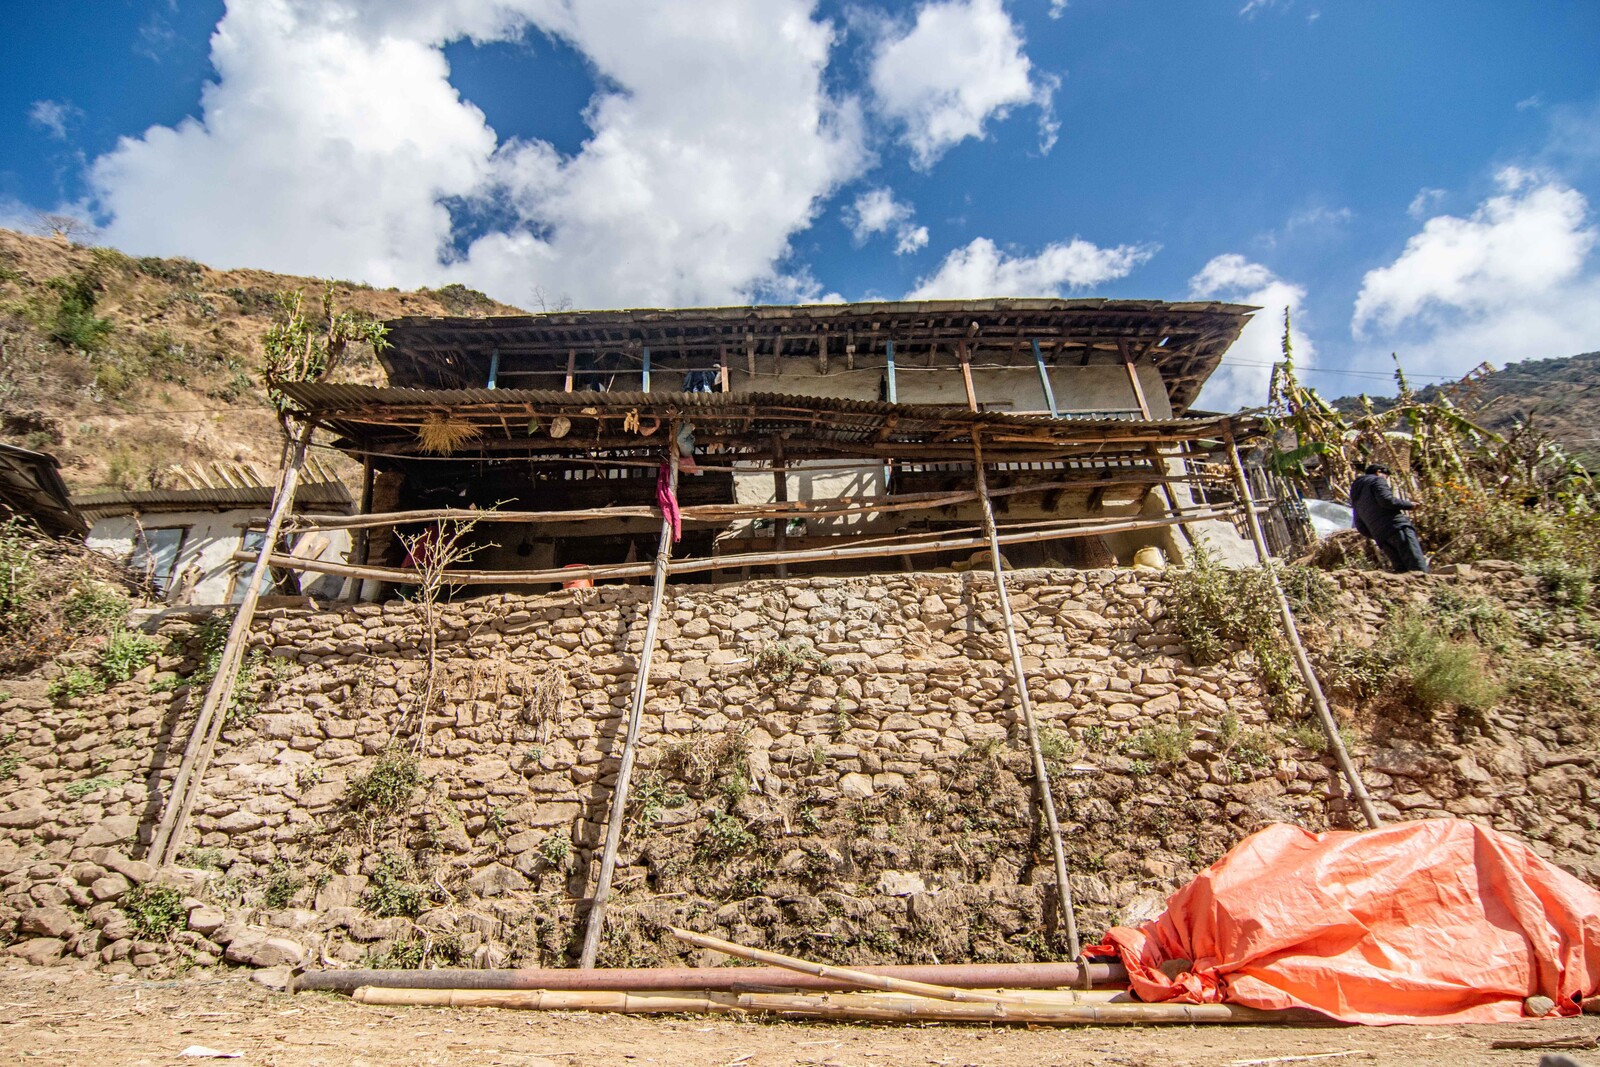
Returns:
(1416, 177)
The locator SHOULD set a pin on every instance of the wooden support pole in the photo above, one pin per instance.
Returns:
(750, 357)
(644, 373)
(722, 366)
(966, 376)
(361, 549)
(572, 368)
(494, 367)
(780, 495)
(1291, 632)
(1041, 772)
(630, 744)
(1044, 380)
(822, 353)
(168, 840)
(893, 392)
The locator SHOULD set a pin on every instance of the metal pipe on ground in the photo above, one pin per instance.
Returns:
(722, 979)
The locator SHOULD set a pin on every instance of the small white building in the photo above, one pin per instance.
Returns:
(183, 540)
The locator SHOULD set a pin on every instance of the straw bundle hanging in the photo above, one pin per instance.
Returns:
(443, 434)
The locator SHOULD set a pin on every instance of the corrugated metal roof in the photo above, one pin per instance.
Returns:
(308, 495)
(31, 487)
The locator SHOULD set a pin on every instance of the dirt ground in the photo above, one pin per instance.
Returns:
(79, 1018)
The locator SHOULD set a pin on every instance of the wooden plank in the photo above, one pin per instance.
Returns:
(630, 744)
(881, 548)
(572, 366)
(966, 376)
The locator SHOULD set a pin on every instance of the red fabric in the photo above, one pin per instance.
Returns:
(1438, 921)
(668, 502)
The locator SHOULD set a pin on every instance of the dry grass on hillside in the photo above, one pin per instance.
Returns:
(122, 367)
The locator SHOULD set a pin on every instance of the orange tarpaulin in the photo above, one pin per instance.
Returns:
(1439, 921)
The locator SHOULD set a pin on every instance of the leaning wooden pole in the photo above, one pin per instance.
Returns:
(641, 687)
(1330, 727)
(213, 713)
(1041, 772)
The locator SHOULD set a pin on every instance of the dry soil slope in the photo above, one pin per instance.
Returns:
(171, 375)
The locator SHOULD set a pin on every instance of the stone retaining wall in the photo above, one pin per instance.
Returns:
(829, 765)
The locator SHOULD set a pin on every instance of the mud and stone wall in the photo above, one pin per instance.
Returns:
(831, 765)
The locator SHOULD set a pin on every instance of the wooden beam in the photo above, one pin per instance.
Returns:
(889, 370)
(1041, 770)
(879, 548)
(644, 372)
(966, 375)
(722, 366)
(572, 366)
(630, 744)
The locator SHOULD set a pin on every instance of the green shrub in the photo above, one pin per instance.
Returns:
(74, 323)
(95, 605)
(282, 883)
(156, 910)
(84, 786)
(1437, 670)
(1570, 585)
(73, 683)
(125, 654)
(387, 787)
(410, 954)
(1164, 744)
(1214, 607)
(393, 890)
(555, 849)
(724, 836)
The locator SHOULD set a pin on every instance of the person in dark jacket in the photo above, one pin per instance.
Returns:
(1382, 516)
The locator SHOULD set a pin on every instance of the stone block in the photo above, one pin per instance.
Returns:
(39, 951)
(204, 920)
(48, 922)
(111, 887)
(342, 891)
(497, 880)
(257, 946)
(856, 786)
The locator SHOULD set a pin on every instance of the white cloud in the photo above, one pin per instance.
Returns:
(332, 140)
(981, 269)
(1058, 8)
(877, 211)
(1424, 201)
(1514, 280)
(944, 76)
(1518, 245)
(1246, 372)
(55, 117)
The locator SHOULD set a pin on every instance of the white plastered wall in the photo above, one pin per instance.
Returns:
(210, 540)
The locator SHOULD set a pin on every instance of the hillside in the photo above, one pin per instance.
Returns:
(1561, 396)
(122, 367)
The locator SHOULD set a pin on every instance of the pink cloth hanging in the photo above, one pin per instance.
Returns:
(668, 501)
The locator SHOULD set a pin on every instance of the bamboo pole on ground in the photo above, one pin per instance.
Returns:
(208, 724)
(641, 688)
(1330, 726)
(1041, 772)
(860, 979)
(887, 1007)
